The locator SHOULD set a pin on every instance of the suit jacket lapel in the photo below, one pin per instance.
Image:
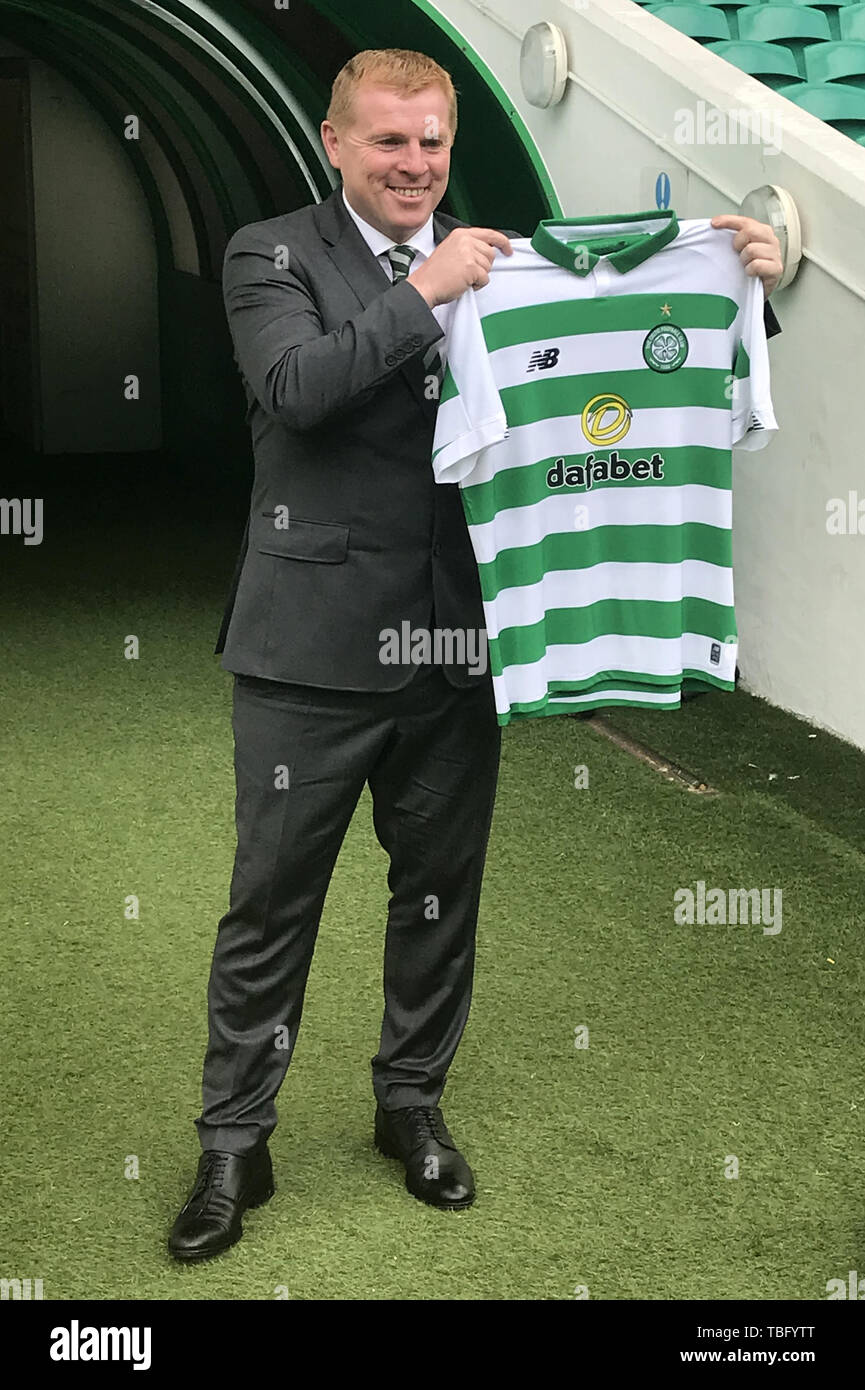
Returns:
(362, 272)
(348, 250)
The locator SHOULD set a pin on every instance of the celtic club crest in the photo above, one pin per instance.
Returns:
(665, 348)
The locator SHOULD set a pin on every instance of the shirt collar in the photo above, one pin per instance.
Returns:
(625, 241)
(378, 243)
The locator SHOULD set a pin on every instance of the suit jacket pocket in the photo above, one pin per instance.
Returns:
(323, 541)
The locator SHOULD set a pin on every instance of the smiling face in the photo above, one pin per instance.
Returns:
(394, 157)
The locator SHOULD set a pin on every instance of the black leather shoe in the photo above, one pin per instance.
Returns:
(435, 1170)
(225, 1186)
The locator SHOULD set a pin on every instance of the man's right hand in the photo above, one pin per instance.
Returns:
(460, 262)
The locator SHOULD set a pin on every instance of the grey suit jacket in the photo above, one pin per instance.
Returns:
(331, 355)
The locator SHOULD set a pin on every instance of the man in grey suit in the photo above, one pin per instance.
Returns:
(349, 536)
(338, 314)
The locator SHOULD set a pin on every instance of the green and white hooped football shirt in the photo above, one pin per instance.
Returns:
(594, 391)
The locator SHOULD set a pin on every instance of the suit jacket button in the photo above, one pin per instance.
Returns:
(437, 550)
(390, 360)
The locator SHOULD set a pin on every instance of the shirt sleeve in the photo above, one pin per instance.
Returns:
(470, 414)
(754, 420)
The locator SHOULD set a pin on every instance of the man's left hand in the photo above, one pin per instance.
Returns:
(758, 247)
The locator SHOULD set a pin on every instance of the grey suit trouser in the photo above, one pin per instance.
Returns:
(302, 756)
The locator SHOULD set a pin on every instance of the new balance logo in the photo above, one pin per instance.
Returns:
(543, 360)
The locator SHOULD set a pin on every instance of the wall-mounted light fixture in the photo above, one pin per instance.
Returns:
(544, 65)
(776, 206)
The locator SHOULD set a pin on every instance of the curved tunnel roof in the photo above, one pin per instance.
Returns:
(219, 107)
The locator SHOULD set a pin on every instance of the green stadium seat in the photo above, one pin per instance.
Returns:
(730, 8)
(810, 51)
(770, 62)
(697, 21)
(783, 23)
(829, 62)
(841, 107)
(852, 22)
(831, 9)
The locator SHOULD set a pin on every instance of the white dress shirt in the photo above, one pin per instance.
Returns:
(423, 243)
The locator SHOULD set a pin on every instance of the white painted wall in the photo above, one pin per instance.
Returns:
(800, 592)
(96, 277)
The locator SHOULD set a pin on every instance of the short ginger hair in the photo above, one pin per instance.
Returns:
(406, 71)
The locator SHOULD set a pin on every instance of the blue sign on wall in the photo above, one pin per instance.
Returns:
(662, 191)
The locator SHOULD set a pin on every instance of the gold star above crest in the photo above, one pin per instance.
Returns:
(666, 309)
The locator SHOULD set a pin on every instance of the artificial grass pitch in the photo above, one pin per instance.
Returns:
(604, 1168)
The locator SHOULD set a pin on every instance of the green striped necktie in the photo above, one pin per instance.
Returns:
(401, 258)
